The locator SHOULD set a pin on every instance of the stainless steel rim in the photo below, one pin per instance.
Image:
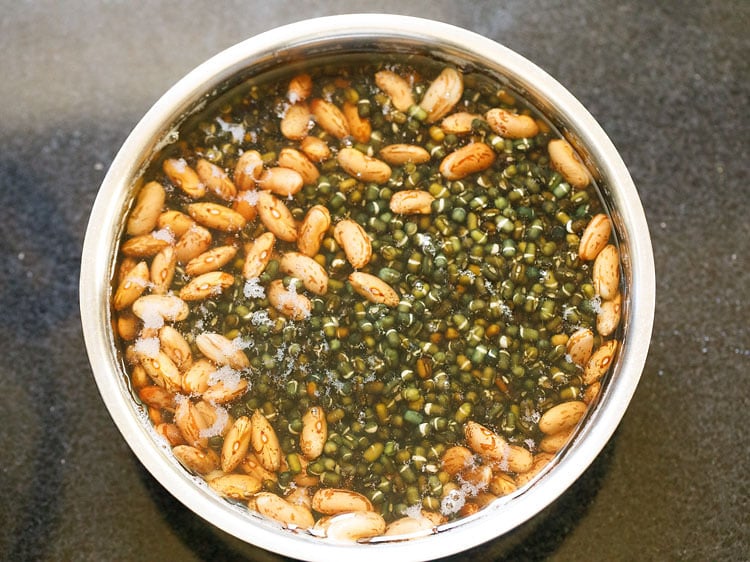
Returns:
(105, 226)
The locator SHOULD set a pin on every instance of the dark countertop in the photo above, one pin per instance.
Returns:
(669, 83)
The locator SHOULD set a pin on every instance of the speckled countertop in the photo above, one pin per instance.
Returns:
(667, 80)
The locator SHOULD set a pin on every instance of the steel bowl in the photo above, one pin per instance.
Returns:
(331, 36)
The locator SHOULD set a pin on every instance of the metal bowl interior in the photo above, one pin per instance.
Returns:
(297, 44)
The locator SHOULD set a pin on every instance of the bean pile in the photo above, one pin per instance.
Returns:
(367, 299)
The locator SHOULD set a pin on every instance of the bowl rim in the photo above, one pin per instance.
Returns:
(106, 218)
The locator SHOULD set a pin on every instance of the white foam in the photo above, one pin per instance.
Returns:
(239, 343)
(225, 374)
(426, 243)
(165, 234)
(534, 416)
(151, 317)
(490, 287)
(147, 346)
(219, 423)
(249, 196)
(261, 318)
(282, 108)
(237, 130)
(253, 289)
(414, 511)
(452, 502)
(470, 274)
(290, 297)
(507, 311)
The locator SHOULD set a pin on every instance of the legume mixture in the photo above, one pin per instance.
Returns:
(367, 298)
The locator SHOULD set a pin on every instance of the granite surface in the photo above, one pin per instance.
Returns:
(667, 80)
